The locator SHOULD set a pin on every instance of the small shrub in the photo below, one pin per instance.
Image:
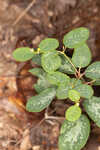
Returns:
(65, 78)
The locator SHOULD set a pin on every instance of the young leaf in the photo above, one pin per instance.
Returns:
(62, 90)
(36, 59)
(58, 78)
(48, 44)
(82, 56)
(92, 107)
(74, 135)
(76, 37)
(41, 101)
(74, 95)
(85, 91)
(39, 72)
(93, 71)
(66, 67)
(51, 61)
(23, 54)
(73, 113)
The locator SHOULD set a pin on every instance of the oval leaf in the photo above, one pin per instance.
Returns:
(74, 95)
(58, 78)
(23, 54)
(92, 107)
(76, 37)
(74, 135)
(73, 113)
(85, 91)
(93, 71)
(48, 44)
(51, 61)
(66, 67)
(41, 101)
(82, 56)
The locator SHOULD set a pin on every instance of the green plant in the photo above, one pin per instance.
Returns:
(66, 78)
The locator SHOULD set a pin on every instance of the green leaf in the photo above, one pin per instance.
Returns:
(76, 37)
(73, 113)
(39, 72)
(97, 82)
(51, 61)
(81, 56)
(66, 67)
(93, 71)
(85, 91)
(41, 85)
(48, 44)
(41, 101)
(42, 82)
(75, 82)
(58, 78)
(74, 95)
(62, 90)
(23, 54)
(36, 59)
(92, 107)
(74, 135)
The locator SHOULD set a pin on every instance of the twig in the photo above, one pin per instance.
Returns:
(90, 82)
(69, 61)
(81, 75)
(24, 12)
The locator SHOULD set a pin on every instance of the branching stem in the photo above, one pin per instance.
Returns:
(70, 62)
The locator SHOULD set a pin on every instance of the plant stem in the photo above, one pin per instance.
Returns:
(69, 62)
(90, 82)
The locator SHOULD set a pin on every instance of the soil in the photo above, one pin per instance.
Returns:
(20, 130)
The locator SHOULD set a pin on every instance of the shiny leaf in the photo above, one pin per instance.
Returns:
(92, 107)
(73, 113)
(51, 61)
(39, 72)
(41, 101)
(93, 71)
(48, 44)
(85, 91)
(23, 54)
(41, 84)
(74, 135)
(58, 78)
(66, 67)
(82, 56)
(62, 90)
(73, 95)
(75, 82)
(76, 37)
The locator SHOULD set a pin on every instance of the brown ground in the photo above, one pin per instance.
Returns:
(20, 130)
